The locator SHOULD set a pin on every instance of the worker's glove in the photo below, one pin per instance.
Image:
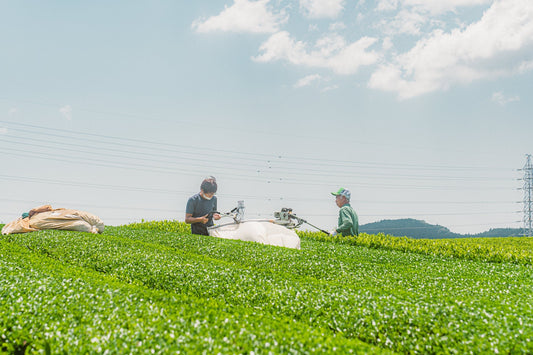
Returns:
(333, 233)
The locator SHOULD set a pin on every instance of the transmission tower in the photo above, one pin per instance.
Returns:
(527, 187)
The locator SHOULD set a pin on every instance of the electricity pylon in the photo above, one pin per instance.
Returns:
(527, 187)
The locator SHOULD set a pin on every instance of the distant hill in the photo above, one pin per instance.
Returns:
(501, 232)
(418, 229)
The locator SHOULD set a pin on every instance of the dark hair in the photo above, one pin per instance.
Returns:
(209, 185)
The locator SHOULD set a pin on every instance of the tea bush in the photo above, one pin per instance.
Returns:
(509, 249)
(393, 299)
(50, 307)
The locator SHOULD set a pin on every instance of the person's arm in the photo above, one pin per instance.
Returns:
(189, 210)
(346, 222)
(216, 216)
(190, 219)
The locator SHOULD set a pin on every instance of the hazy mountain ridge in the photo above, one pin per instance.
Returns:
(419, 229)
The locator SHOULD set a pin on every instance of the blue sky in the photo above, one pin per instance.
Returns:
(421, 108)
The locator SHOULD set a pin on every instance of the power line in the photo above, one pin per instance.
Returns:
(119, 165)
(151, 119)
(127, 208)
(131, 140)
(306, 214)
(151, 157)
(164, 147)
(85, 184)
(264, 175)
(257, 178)
(272, 157)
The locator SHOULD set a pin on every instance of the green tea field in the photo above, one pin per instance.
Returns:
(154, 288)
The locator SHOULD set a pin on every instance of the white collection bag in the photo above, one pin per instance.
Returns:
(261, 231)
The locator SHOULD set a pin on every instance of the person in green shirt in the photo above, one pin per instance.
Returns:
(348, 221)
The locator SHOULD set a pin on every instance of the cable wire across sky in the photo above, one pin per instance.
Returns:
(66, 147)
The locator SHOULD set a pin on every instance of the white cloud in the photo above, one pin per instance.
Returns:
(322, 8)
(411, 15)
(329, 88)
(387, 43)
(503, 100)
(442, 6)
(3, 130)
(499, 44)
(66, 111)
(243, 16)
(13, 111)
(337, 26)
(405, 22)
(307, 80)
(387, 5)
(432, 6)
(525, 67)
(331, 52)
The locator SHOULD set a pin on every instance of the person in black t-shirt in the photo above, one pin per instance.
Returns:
(202, 207)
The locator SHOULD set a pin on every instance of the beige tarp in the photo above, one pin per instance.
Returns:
(260, 231)
(44, 217)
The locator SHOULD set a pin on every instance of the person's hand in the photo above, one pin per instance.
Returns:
(216, 216)
(204, 219)
(333, 233)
